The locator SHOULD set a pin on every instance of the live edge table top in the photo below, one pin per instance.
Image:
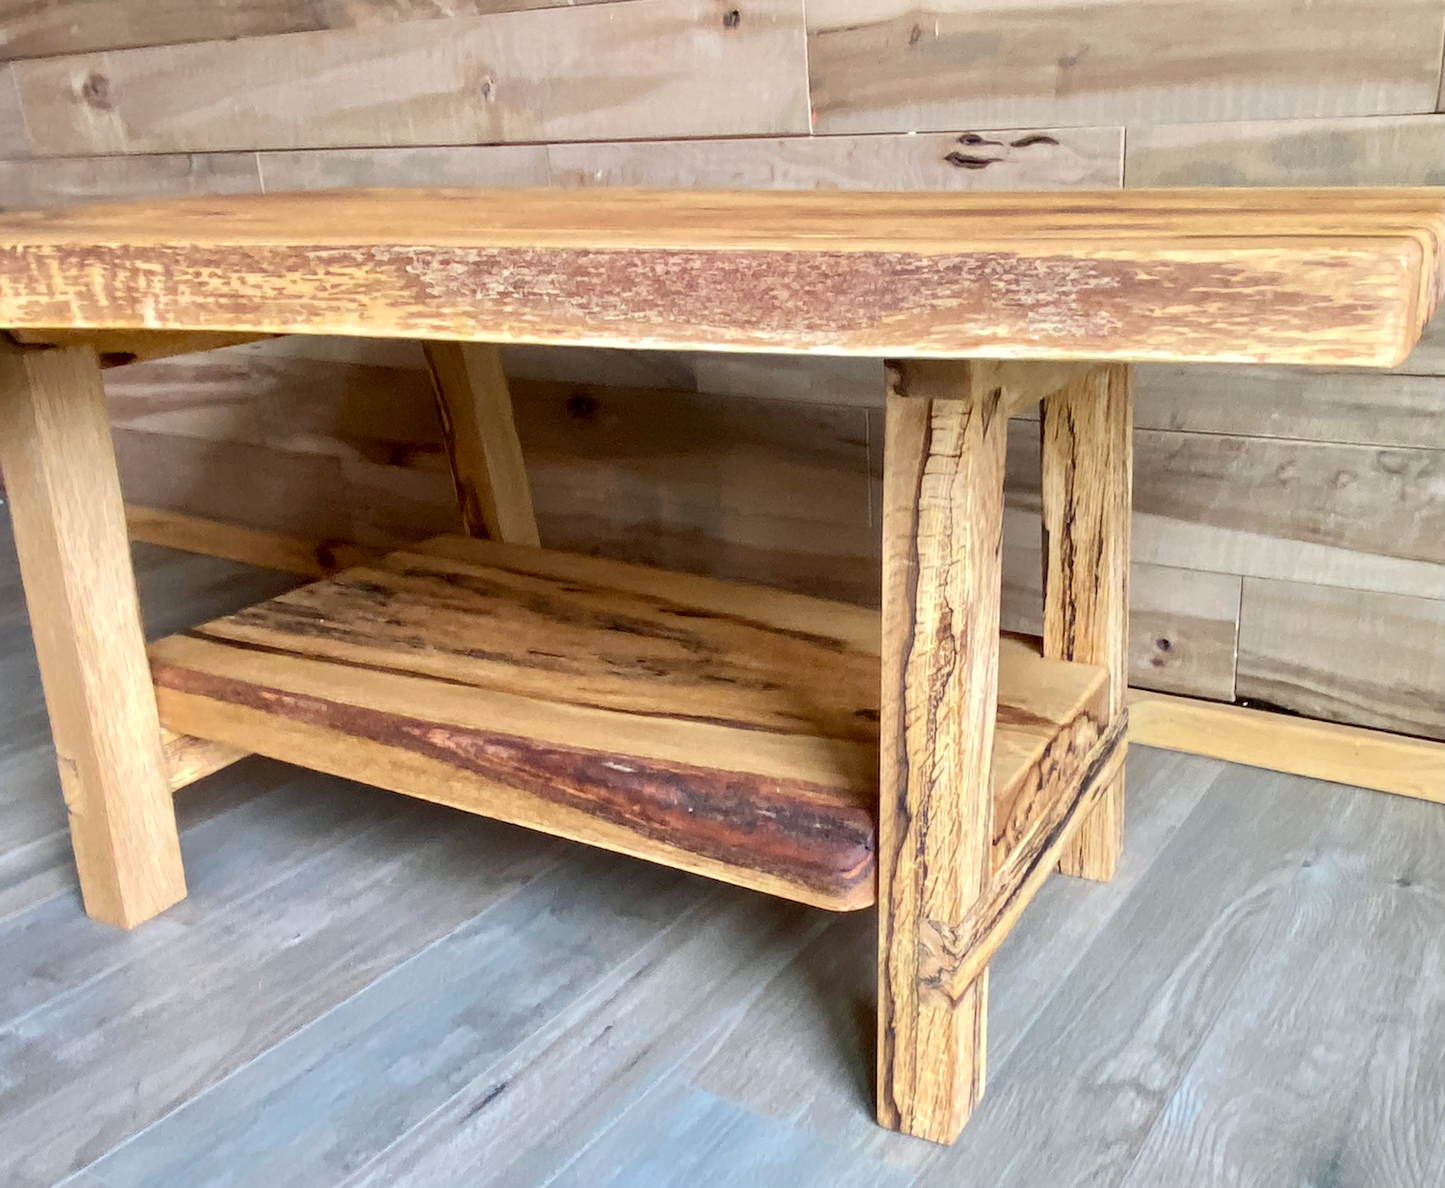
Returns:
(1328, 277)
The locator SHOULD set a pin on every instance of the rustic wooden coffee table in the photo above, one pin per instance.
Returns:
(804, 748)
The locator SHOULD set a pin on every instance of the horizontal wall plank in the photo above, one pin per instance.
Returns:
(884, 66)
(1367, 658)
(1183, 624)
(1373, 151)
(73, 181)
(645, 68)
(1361, 408)
(12, 124)
(428, 165)
(1039, 159)
(44, 28)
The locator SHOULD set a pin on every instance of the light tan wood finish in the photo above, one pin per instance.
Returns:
(1233, 275)
(942, 535)
(1283, 742)
(726, 729)
(1087, 458)
(481, 438)
(70, 535)
(115, 348)
(234, 542)
(651, 68)
(189, 759)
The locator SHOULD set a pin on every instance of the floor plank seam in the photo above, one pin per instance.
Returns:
(390, 972)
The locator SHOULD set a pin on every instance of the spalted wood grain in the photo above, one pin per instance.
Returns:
(942, 536)
(70, 534)
(1321, 276)
(650, 69)
(726, 729)
(1404, 150)
(876, 66)
(1087, 457)
(1352, 656)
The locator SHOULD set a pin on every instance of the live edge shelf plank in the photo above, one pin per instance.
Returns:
(725, 729)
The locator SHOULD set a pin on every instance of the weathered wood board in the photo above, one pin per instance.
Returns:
(1403, 150)
(1347, 655)
(877, 66)
(649, 68)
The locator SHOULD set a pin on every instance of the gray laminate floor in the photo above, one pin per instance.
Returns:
(363, 990)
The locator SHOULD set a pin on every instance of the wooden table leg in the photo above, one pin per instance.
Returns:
(1087, 476)
(947, 429)
(70, 534)
(482, 444)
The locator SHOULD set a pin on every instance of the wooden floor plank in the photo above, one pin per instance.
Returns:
(803, 1053)
(1076, 1100)
(1348, 983)
(222, 994)
(574, 1080)
(342, 1090)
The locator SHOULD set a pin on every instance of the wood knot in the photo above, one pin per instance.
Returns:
(95, 90)
(581, 405)
(732, 18)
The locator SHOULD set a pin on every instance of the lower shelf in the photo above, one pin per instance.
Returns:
(724, 729)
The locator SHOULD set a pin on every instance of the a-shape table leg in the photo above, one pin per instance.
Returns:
(1087, 457)
(70, 535)
(946, 434)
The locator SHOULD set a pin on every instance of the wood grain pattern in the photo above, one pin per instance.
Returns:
(1285, 742)
(189, 759)
(876, 66)
(1344, 655)
(481, 437)
(1348, 407)
(234, 542)
(1117, 274)
(73, 181)
(70, 534)
(654, 68)
(1088, 475)
(12, 123)
(942, 536)
(116, 348)
(1404, 150)
(725, 729)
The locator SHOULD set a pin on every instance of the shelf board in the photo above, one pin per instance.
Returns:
(725, 729)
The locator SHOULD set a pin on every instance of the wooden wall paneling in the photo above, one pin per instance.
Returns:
(877, 66)
(855, 382)
(1403, 150)
(293, 494)
(647, 68)
(1183, 623)
(453, 165)
(1020, 159)
(1358, 498)
(12, 123)
(76, 181)
(391, 505)
(1354, 656)
(1357, 407)
(45, 28)
(208, 397)
(1428, 357)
